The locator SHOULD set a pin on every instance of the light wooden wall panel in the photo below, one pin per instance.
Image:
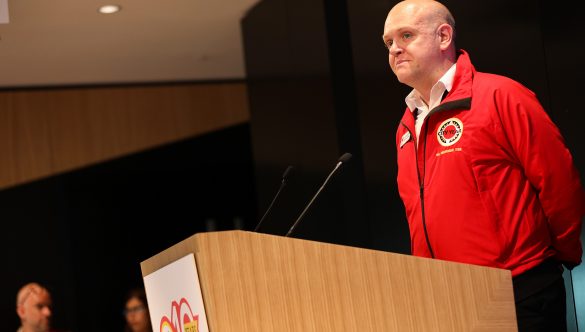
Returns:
(46, 132)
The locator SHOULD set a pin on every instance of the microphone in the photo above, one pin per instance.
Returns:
(285, 177)
(342, 160)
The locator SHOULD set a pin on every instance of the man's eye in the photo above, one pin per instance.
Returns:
(388, 44)
(406, 35)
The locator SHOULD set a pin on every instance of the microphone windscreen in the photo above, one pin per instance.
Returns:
(287, 173)
(345, 157)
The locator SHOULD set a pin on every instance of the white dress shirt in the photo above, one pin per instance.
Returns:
(416, 104)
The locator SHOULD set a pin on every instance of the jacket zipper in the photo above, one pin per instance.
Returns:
(421, 185)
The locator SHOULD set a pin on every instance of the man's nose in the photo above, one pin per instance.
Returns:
(395, 49)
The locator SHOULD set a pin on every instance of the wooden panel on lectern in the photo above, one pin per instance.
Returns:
(259, 282)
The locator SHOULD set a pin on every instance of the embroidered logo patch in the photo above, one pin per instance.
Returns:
(450, 132)
(405, 138)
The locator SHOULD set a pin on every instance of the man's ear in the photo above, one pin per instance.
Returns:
(20, 311)
(445, 32)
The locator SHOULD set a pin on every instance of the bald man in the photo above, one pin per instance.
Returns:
(33, 306)
(484, 174)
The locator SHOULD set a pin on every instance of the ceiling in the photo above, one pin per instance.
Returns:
(67, 42)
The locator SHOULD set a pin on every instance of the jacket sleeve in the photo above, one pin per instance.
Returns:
(548, 165)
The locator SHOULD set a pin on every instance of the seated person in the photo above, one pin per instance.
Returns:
(136, 312)
(33, 306)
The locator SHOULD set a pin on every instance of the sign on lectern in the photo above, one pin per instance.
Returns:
(174, 297)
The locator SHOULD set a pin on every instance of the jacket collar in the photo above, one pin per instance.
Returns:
(460, 95)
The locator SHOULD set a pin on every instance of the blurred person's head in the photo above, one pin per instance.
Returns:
(34, 307)
(136, 312)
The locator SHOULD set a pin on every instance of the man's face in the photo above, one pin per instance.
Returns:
(35, 311)
(413, 46)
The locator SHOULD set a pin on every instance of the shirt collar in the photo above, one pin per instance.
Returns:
(445, 83)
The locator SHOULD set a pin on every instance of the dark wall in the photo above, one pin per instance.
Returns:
(84, 233)
(564, 58)
(297, 110)
(562, 33)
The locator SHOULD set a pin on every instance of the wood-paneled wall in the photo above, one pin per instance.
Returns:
(48, 131)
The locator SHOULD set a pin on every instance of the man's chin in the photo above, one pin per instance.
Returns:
(401, 74)
(403, 79)
(45, 327)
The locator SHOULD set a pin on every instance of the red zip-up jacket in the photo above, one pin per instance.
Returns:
(491, 182)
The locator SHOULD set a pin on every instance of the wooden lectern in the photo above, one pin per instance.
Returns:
(259, 282)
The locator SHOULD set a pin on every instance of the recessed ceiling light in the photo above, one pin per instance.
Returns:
(109, 9)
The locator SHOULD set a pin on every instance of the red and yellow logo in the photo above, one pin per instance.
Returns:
(450, 132)
(182, 318)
